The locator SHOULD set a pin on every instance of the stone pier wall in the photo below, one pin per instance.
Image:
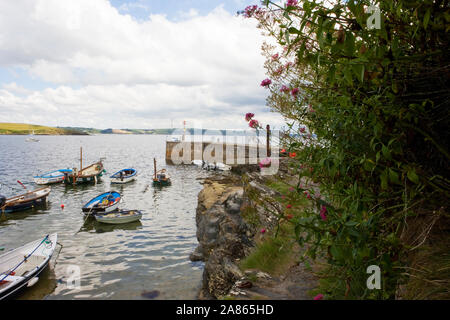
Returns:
(185, 152)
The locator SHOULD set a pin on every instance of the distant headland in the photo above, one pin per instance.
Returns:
(25, 129)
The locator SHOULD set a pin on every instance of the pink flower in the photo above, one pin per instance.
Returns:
(253, 124)
(279, 70)
(289, 206)
(291, 3)
(302, 129)
(250, 10)
(294, 92)
(275, 56)
(249, 116)
(263, 230)
(318, 297)
(291, 189)
(266, 82)
(284, 89)
(323, 212)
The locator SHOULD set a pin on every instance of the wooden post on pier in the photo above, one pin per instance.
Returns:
(81, 159)
(154, 164)
(268, 140)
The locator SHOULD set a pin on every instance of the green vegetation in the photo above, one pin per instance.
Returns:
(25, 129)
(272, 254)
(277, 249)
(376, 100)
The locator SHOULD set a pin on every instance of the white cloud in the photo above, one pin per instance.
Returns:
(114, 71)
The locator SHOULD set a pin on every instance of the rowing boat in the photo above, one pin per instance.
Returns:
(105, 202)
(124, 176)
(25, 201)
(119, 216)
(52, 176)
(89, 174)
(20, 267)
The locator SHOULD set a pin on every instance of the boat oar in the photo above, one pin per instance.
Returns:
(22, 184)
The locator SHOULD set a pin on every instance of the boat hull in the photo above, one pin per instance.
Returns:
(95, 205)
(161, 182)
(122, 180)
(120, 217)
(15, 204)
(124, 176)
(28, 270)
(52, 177)
(89, 174)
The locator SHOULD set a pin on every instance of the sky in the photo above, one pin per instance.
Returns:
(131, 64)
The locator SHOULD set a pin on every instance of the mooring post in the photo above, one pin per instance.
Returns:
(268, 140)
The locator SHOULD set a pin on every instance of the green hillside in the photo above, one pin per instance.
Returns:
(24, 129)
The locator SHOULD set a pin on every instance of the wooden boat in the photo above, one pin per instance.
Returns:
(89, 174)
(106, 202)
(56, 176)
(25, 201)
(119, 216)
(161, 177)
(20, 267)
(124, 176)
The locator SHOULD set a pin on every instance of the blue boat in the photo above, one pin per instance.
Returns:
(124, 176)
(106, 202)
(56, 176)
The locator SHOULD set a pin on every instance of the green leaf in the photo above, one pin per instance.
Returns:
(386, 152)
(393, 176)
(426, 18)
(413, 176)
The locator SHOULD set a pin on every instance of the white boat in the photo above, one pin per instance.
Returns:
(222, 166)
(20, 267)
(31, 138)
(211, 165)
(52, 176)
(124, 176)
(119, 217)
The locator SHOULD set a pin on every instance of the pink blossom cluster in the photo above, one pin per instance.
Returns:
(291, 3)
(266, 82)
(254, 124)
(250, 10)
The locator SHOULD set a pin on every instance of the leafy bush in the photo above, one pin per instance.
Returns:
(368, 114)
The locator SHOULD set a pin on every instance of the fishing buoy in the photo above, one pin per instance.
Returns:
(62, 206)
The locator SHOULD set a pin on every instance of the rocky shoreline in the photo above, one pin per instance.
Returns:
(226, 236)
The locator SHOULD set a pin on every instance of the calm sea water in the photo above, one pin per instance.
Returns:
(140, 260)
